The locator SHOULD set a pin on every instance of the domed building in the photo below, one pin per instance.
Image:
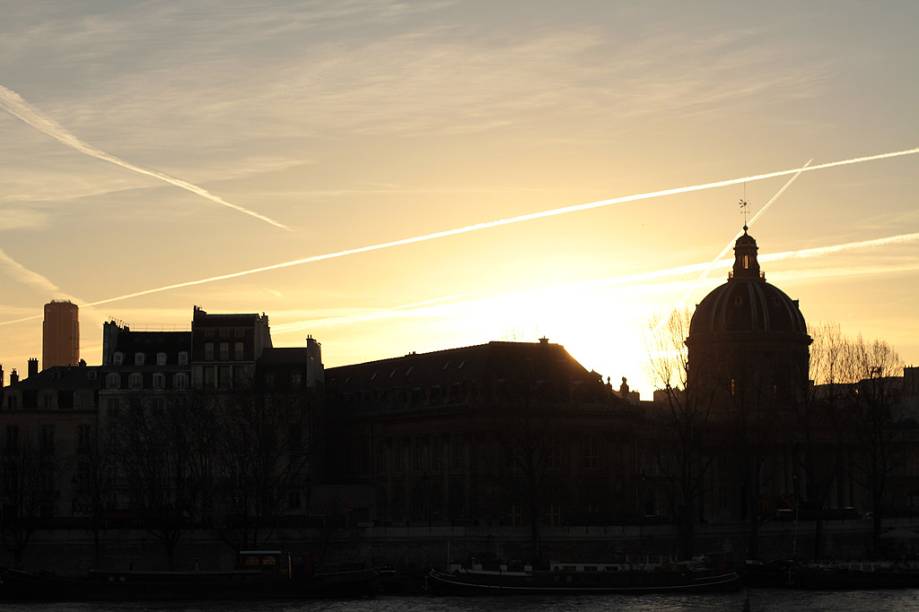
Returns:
(748, 365)
(748, 340)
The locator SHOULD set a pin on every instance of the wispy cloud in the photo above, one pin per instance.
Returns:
(15, 105)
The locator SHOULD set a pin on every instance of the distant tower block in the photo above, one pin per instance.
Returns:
(61, 334)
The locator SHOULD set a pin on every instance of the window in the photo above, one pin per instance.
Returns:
(119, 358)
(112, 380)
(294, 437)
(591, 452)
(135, 381)
(161, 359)
(112, 408)
(47, 401)
(139, 359)
(47, 438)
(746, 262)
(210, 378)
(12, 437)
(159, 380)
(225, 380)
(209, 351)
(238, 351)
(84, 435)
(296, 379)
(183, 357)
(181, 381)
(224, 351)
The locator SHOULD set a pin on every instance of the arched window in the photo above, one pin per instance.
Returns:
(746, 262)
(136, 380)
(112, 380)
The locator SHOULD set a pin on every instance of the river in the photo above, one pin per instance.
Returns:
(760, 601)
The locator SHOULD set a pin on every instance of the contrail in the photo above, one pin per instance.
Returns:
(751, 222)
(26, 276)
(15, 105)
(628, 280)
(498, 223)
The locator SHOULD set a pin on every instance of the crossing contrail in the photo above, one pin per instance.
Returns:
(15, 105)
(727, 247)
(466, 229)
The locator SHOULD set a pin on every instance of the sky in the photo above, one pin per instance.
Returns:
(146, 144)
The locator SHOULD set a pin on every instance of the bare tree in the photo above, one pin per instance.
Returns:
(683, 459)
(95, 481)
(821, 419)
(263, 462)
(27, 485)
(874, 426)
(160, 458)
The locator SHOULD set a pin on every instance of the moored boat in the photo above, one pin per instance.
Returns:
(833, 575)
(259, 575)
(583, 578)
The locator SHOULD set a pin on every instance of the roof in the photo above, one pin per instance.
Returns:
(483, 362)
(62, 378)
(294, 355)
(747, 305)
(130, 342)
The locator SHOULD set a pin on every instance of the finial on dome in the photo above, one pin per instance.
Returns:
(743, 209)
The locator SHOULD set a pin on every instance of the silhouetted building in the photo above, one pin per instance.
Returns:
(483, 434)
(225, 348)
(748, 363)
(61, 334)
(139, 368)
(47, 432)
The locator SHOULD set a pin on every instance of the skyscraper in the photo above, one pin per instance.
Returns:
(60, 334)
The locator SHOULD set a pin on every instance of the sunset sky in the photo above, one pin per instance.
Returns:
(357, 122)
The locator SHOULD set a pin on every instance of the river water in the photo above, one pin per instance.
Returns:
(760, 601)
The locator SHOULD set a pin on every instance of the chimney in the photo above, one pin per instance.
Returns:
(14, 377)
(33, 367)
(2, 379)
(315, 371)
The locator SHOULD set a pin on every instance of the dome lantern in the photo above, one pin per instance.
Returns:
(746, 264)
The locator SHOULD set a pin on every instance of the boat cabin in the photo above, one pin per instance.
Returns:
(266, 561)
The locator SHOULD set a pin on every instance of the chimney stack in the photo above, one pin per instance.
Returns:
(315, 371)
(14, 377)
(33, 367)
(2, 379)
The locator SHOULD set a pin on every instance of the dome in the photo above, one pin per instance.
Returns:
(747, 303)
(742, 305)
